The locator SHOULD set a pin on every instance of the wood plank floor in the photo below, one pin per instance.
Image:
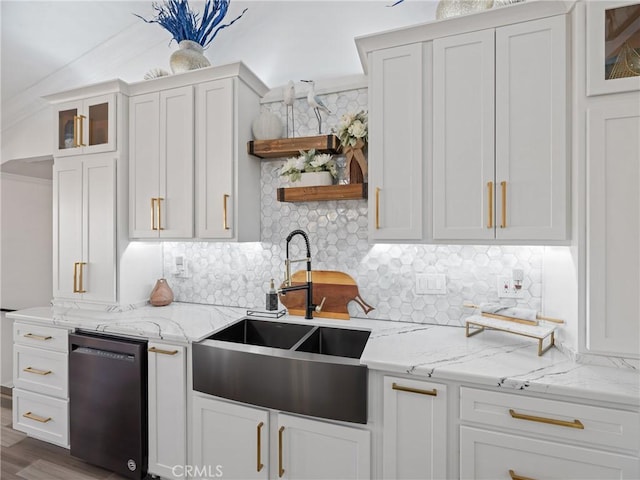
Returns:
(25, 458)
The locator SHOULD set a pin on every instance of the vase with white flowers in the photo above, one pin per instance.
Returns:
(353, 132)
(310, 169)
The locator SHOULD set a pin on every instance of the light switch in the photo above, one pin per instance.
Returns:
(431, 284)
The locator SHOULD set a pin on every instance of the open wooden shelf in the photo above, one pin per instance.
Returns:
(288, 147)
(352, 191)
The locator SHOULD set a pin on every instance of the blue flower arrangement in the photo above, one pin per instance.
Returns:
(179, 20)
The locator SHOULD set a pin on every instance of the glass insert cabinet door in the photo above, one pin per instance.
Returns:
(85, 126)
(613, 47)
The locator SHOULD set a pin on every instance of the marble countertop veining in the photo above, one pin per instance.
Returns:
(437, 352)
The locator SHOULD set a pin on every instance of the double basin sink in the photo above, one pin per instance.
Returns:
(300, 368)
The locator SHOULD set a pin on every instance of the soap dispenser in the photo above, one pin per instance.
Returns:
(272, 298)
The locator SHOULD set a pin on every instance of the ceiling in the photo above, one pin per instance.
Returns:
(51, 46)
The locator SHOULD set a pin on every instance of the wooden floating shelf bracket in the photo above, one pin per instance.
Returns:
(287, 147)
(352, 191)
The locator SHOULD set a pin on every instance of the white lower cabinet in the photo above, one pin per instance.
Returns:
(230, 440)
(495, 455)
(40, 376)
(545, 438)
(414, 429)
(314, 449)
(41, 416)
(167, 409)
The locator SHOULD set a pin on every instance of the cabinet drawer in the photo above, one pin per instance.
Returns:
(493, 455)
(42, 417)
(41, 336)
(563, 420)
(41, 371)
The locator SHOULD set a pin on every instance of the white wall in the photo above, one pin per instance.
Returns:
(25, 241)
(25, 253)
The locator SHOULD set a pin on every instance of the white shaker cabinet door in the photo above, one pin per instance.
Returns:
(414, 439)
(167, 409)
(215, 157)
(99, 228)
(67, 225)
(463, 138)
(310, 449)
(531, 177)
(396, 163)
(175, 194)
(144, 167)
(230, 440)
(613, 227)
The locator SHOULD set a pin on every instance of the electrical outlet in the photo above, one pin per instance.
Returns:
(431, 284)
(181, 270)
(506, 287)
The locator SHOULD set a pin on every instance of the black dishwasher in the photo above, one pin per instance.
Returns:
(108, 402)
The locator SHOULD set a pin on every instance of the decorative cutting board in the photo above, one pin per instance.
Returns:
(337, 288)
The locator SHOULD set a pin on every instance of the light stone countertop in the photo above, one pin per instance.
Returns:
(491, 358)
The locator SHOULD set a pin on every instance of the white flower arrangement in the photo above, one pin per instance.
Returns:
(309, 161)
(353, 127)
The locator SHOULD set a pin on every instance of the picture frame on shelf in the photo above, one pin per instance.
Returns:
(613, 47)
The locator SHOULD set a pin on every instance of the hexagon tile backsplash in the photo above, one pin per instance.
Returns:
(238, 274)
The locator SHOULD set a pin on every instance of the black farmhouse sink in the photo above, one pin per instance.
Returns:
(266, 334)
(299, 368)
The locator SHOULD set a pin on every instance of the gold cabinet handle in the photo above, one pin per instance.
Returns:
(490, 196)
(259, 464)
(504, 204)
(75, 277)
(433, 393)
(377, 208)
(160, 227)
(153, 214)
(163, 352)
(33, 336)
(531, 418)
(35, 417)
(225, 223)
(36, 371)
(81, 134)
(515, 476)
(81, 278)
(75, 131)
(280, 469)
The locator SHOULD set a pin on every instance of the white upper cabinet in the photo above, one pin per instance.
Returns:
(161, 133)
(215, 151)
(396, 132)
(85, 126)
(190, 173)
(531, 130)
(500, 167)
(463, 136)
(84, 233)
(228, 178)
(613, 226)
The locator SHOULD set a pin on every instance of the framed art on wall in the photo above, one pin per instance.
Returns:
(613, 47)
